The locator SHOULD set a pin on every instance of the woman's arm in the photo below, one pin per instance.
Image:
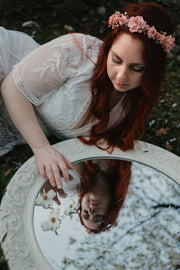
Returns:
(21, 111)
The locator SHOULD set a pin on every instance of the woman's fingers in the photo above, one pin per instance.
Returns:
(52, 165)
(56, 175)
(64, 170)
(42, 172)
(50, 175)
(69, 165)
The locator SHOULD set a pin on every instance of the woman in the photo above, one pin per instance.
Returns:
(79, 86)
(103, 188)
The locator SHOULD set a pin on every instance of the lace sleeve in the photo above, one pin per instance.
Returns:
(50, 65)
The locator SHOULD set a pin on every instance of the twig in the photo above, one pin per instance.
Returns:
(134, 227)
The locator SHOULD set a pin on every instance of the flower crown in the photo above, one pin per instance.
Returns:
(137, 24)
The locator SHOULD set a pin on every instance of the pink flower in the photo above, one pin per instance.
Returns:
(112, 20)
(162, 39)
(169, 43)
(152, 32)
(122, 20)
(158, 36)
(117, 19)
(136, 24)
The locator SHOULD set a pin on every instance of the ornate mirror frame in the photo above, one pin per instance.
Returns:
(16, 213)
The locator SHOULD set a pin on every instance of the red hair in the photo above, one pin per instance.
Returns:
(139, 101)
(117, 177)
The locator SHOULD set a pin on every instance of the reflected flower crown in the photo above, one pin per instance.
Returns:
(137, 24)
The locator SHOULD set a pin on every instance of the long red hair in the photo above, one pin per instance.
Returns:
(117, 178)
(139, 101)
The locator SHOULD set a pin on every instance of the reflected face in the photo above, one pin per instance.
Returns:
(94, 207)
(125, 64)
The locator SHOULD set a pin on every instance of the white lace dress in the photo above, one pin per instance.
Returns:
(13, 47)
(56, 79)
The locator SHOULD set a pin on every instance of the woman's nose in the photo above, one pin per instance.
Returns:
(122, 74)
(92, 209)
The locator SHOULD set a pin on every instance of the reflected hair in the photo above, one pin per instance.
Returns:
(117, 177)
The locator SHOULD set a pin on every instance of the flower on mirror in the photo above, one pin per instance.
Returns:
(46, 199)
(53, 224)
(71, 209)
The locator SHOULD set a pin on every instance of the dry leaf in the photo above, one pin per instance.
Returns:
(55, 33)
(6, 173)
(55, 25)
(68, 28)
(169, 147)
(162, 131)
(84, 19)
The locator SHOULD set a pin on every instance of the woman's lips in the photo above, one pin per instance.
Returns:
(121, 84)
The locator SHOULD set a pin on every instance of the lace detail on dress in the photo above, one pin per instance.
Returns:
(65, 122)
(83, 52)
(20, 85)
(84, 108)
(56, 78)
(89, 46)
(45, 67)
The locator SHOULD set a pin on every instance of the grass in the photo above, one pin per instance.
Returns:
(163, 128)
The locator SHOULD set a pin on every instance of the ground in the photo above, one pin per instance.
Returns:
(45, 20)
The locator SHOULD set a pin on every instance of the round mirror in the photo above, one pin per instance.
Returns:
(119, 210)
(73, 227)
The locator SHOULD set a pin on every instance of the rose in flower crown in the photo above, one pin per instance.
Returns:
(138, 24)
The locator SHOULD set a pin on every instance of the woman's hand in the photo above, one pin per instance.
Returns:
(52, 165)
(22, 113)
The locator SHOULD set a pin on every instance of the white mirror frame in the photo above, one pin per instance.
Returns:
(16, 212)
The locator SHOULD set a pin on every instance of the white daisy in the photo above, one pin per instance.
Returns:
(46, 199)
(71, 209)
(53, 224)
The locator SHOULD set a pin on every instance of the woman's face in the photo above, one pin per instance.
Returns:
(125, 64)
(94, 207)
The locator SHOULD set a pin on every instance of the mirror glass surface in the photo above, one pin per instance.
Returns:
(130, 224)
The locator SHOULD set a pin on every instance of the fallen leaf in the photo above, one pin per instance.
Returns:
(6, 173)
(162, 131)
(55, 33)
(169, 56)
(55, 25)
(68, 28)
(84, 19)
(169, 147)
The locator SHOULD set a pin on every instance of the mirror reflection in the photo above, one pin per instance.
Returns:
(102, 192)
(113, 212)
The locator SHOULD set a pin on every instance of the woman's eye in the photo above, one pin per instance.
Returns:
(137, 69)
(117, 61)
(85, 214)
